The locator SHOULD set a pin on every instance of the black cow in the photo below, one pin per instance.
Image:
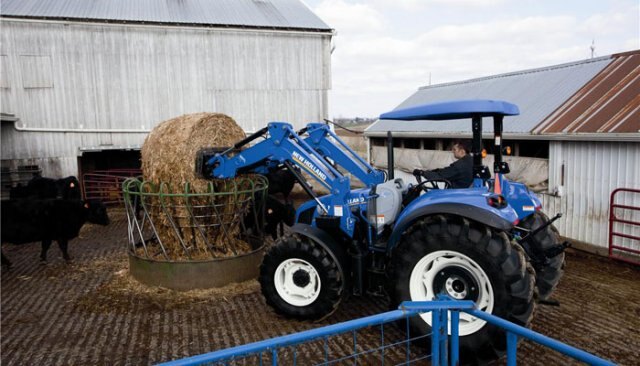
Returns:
(44, 188)
(40, 187)
(29, 220)
(277, 213)
(281, 181)
(19, 191)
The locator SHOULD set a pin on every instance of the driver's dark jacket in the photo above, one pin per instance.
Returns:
(460, 173)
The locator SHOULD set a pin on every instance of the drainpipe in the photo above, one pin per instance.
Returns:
(77, 130)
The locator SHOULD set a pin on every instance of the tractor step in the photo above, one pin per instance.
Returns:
(376, 280)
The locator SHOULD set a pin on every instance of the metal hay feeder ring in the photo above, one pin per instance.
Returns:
(172, 231)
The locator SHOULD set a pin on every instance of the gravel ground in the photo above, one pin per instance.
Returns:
(91, 312)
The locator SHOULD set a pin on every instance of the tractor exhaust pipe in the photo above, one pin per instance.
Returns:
(390, 167)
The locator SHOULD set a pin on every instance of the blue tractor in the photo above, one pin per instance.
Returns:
(533, 230)
(406, 241)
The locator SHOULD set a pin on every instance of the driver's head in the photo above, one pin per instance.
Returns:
(460, 149)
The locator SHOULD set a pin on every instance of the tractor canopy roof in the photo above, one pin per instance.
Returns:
(455, 109)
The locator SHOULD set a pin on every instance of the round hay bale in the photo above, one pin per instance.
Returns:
(169, 151)
(168, 161)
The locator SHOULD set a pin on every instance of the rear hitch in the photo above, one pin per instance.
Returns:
(556, 250)
(537, 230)
(540, 258)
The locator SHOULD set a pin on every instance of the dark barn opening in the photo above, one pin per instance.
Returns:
(108, 160)
(102, 173)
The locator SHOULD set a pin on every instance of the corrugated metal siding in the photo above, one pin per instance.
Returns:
(287, 14)
(592, 170)
(128, 77)
(610, 103)
(4, 72)
(537, 92)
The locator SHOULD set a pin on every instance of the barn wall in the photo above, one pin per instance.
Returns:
(75, 76)
(592, 170)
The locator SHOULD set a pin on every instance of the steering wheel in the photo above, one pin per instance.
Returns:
(432, 182)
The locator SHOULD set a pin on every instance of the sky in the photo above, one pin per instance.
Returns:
(386, 49)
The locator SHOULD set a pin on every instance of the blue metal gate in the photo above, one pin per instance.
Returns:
(444, 348)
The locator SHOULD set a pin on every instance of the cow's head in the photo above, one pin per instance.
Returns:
(97, 212)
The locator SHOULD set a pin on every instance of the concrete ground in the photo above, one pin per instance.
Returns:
(91, 312)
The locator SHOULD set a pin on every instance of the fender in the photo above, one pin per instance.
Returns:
(471, 212)
(336, 251)
(521, 199)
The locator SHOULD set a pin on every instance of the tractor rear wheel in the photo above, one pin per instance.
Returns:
(466, 261)
(548, 270)
(301, 279)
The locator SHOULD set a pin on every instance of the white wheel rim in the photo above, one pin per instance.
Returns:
(440, 263)
(289, 291)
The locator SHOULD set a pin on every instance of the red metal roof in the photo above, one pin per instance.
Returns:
(609, 103)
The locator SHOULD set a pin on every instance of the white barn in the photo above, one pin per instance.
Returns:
(82, 83)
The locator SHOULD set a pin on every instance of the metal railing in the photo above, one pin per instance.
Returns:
(444, 340)
(13, 177)
(106, 185)
(623, 215)
(167, 223)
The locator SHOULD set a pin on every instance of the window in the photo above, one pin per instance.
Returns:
(430, 144)
(446, 144)
(411, 143)
(36, 72)
(529, 148)
(378, 141)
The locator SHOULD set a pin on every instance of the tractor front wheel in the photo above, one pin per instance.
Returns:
(301, 279)
(466, 261)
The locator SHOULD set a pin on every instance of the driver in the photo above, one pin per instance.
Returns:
(459, 174)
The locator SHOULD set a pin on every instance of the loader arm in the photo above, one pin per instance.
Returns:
(282, 145)
(329, 145)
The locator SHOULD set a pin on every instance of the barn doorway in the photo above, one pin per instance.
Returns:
(91, 161)
(103, 171)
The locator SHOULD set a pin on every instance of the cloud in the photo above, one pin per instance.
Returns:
(375, 68)
(615, 22)
(423, 4)
(350, 18)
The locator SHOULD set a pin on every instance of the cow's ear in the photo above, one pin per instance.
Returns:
(86, 205)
